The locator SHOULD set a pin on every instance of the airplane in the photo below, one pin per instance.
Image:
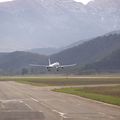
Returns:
(55, 65)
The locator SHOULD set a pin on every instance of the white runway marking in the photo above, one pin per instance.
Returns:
(101, 113)
(60, 113)
(34, 99)
(29, 106)
(14, 100)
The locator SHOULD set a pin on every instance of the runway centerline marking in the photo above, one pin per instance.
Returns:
(60, 113)
(34, 99)
(101, 113)
(29, 106)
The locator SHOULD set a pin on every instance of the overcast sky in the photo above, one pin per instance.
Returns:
(7, 42)
(25, 24)
(5, 0)
(83, 1)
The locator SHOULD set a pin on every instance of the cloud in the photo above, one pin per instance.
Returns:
(5, 1)
(83, 1)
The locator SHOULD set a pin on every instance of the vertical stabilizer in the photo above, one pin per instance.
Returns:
(49, 61)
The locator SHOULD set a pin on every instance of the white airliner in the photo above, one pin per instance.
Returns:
(55, 65)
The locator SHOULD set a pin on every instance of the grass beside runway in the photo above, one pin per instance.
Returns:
(63, 81)
(107, 94)
(104, 94)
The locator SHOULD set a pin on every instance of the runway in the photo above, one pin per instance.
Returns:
(26, 102)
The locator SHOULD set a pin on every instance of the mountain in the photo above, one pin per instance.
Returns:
(100, 53)
(90, 51)
(2, 54)
(110, 63)
(46, 23)
(45, 51)
(103, 3)
(14, 62)
(52, 50)
(75, 44)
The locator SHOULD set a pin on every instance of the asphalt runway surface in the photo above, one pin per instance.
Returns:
(26, 102)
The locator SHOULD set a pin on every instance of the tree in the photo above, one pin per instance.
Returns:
(24, 71)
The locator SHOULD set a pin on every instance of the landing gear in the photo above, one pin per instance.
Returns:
(48, 69)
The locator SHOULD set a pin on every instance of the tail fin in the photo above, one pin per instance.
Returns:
(49, 61)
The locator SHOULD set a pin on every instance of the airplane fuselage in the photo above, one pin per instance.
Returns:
(56, 65)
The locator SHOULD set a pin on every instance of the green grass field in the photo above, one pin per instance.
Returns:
(105, 94)
(109, 94)
(63, 81)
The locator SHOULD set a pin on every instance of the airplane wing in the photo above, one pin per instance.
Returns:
(34, 65)
(68, 65)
